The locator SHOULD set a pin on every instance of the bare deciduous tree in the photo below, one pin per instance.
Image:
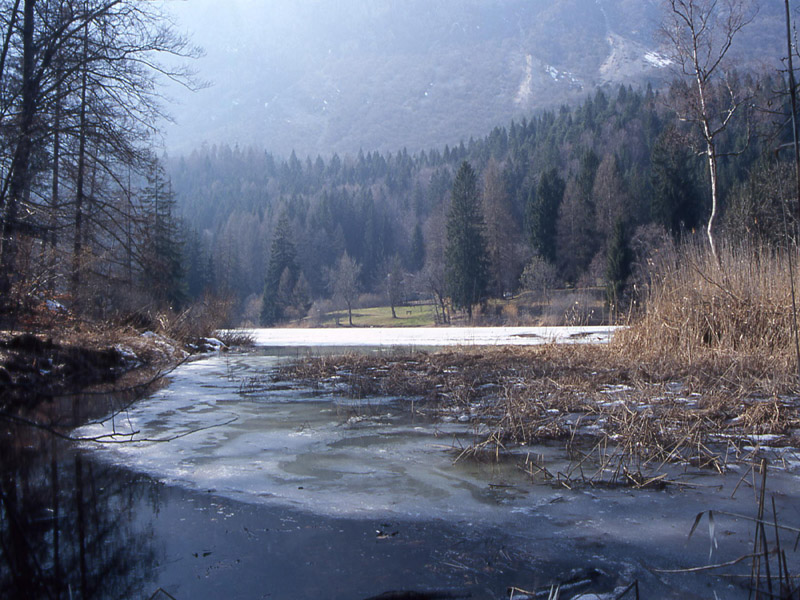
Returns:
(394, 283)
(79, 105)
(700, 35)
(343, 283)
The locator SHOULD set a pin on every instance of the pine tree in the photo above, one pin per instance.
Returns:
(281, 259)
(675, 202)
(542, 213)
(577, 227)
(618, 266)
(196, 261)
(417, 258)
(163, 272)
(466, 256)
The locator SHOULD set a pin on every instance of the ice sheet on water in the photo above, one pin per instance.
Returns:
(289, 448)
(285, 447)
(431, 336)
(321, 452)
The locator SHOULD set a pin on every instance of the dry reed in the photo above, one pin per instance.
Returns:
(697, 379)
(730, 319)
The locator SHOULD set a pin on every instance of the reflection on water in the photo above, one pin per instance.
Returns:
(307, 495)
(67, 524)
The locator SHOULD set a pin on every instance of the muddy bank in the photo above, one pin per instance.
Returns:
(37, 368)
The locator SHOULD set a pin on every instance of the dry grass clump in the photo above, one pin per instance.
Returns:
(731, 320)
(241, 338)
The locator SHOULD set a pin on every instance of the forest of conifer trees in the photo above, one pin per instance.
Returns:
(578, 197)
(570, 192)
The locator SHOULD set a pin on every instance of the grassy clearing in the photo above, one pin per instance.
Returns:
(559, 307)
(417, 315)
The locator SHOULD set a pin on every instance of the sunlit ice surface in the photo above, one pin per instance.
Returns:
(277, 442)
(224, 423)
(431, 336)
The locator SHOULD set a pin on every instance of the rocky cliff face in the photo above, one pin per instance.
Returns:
(320, 77)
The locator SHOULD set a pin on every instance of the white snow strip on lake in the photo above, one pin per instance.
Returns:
(432, 336)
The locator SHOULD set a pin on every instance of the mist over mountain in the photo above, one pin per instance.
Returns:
(323, 77)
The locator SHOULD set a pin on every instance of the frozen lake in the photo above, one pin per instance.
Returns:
(225, 429)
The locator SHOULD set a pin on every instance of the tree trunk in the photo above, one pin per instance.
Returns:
(77, 243)
(82, 527)
(712, 172)
(52, 237)
(20, 164)
(54, 490)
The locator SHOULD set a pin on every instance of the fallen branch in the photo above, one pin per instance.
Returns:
(108, 438)
(730, 563)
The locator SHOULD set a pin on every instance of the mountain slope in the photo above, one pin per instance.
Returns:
(321, 77)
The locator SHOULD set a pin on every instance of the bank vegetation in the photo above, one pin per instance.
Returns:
(705, 374)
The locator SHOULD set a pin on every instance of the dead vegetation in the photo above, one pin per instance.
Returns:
(731, 320)
(622, 421)
(707, 375)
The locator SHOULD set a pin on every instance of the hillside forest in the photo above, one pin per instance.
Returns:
(582, 197)
(588, 196)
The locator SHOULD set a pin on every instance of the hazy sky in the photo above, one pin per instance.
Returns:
(253, 50)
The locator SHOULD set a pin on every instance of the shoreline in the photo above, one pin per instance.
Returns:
(42, 370)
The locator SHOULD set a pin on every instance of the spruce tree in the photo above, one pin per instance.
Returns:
(466, 272)
(198, 275)
(417, 258)
(163, 276)
(281, 260)
(618, 265)
(675, 202)
(542, 213)
(577, 237)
